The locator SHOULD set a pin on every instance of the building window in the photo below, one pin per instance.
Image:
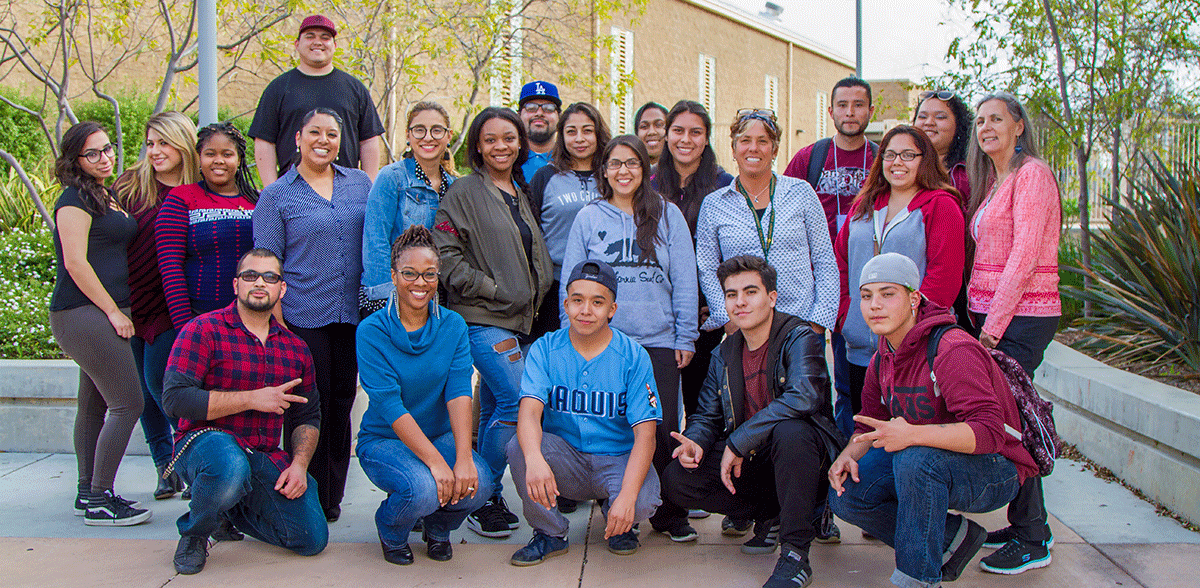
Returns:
(822, 115)
(708, 83)
(507, 72)
(621, 81)
(771, 92)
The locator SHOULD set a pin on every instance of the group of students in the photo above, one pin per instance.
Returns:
(624, 275)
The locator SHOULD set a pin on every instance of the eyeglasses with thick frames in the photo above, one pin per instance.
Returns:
(942, 95)
(94, 155)
(253, 276)
(906, 155)
(411, 276)
(615, 164)
(546, 107)
(435, 132)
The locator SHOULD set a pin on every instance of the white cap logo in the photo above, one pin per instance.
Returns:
(540, 88)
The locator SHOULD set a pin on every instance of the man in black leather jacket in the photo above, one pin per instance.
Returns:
(762, 439)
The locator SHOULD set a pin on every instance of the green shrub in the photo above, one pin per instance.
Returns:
(17, 210)
(23, 136)
(1145, 273)
(135, 111)
(1068, 257)
(26, 281)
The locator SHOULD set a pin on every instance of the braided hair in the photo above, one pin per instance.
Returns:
(413, 237)
(243, 179)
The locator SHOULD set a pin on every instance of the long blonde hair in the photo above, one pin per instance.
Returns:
(138, 191)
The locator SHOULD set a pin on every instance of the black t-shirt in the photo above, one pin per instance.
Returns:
(514, 209)
(108, 240)
(294, 94)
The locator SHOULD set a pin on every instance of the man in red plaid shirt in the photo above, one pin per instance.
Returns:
(231, 377)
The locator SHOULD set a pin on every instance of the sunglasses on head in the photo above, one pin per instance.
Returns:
(939, 94)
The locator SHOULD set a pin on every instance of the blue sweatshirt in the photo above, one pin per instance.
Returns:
(413, 373)
(557, 198)
(656, 302)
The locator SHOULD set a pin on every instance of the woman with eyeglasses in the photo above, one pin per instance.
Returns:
(559, 190)
(647, 242)
(312, 218)
(906, 206)
(405, 193)
(650, 121)
(415, 441)
(945, 119)
(89, 316)
(205, 227)
(1014, 216)
(497, 271)
(169, 161)
(687, 172)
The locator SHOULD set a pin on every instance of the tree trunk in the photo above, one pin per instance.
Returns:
(1085, 240)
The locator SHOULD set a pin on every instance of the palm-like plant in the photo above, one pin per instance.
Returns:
(1145, 273)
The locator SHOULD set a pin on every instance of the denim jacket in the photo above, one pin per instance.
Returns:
(398, 199)
(799, 383)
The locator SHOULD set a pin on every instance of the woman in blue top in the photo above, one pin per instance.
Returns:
(415, 440)
(312, 218)
(647, 242)
(405, 193)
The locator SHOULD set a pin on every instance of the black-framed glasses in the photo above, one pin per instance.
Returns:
(435, 132)
(942, 95)
(94, 155)
(546, 107)
(906, 155)
(253, 276)
(411, 276)
(615, 164)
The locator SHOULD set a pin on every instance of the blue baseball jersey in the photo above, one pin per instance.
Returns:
(594, 404)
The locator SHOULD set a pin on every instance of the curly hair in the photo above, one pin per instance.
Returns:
(963, 122)
(243, 179)
(68, 172)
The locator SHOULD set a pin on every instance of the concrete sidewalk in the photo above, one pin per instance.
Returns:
(1104, 537)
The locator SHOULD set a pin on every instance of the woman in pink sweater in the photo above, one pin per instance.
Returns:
(1015, 216)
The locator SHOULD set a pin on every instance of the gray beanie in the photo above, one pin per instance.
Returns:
(892, 268)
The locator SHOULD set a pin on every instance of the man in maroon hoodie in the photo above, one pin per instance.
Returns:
(922, 448)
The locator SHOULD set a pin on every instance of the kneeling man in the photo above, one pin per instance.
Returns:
(929, 438)
(759, 445)
(585, 430)
(231, 376)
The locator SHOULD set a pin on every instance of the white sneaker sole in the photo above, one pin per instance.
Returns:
(1030, 565)
(125, 522)
(474, 526)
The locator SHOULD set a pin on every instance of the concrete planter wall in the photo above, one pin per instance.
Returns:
(1146, 432)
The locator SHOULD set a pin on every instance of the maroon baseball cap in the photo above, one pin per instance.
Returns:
(318, 21)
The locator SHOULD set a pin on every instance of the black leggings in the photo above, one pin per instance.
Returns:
(666, 379)
(693, 375)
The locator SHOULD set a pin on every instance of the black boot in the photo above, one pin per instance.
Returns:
(165, 488)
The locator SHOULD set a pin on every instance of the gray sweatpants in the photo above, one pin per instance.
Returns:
(110, 392)
(579, 476)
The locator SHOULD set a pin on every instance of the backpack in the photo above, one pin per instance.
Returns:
(1038, 434)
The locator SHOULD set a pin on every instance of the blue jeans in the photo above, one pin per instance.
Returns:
(230, 482)
(902, 498)
(843, 409)
(412, 492)
(500, 372)
(151, 360)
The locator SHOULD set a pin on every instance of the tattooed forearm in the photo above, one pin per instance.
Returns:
(304, 443)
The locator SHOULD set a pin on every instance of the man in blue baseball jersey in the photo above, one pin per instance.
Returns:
(585, 430)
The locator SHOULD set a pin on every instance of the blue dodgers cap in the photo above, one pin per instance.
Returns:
(892, 268)
(596, 271)
(539, 89)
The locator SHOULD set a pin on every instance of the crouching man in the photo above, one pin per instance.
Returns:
(586, 425)
(760, 443)
(925, 444)
(231, 376)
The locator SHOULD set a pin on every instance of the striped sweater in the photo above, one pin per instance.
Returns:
(200, 237)
(148, 305)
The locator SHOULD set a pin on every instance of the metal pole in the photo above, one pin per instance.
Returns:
(206, 21)
(858, 39)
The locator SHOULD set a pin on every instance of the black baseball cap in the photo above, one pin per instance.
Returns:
(596, 271)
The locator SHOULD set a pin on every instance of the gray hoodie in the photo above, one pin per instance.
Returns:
(656, 301)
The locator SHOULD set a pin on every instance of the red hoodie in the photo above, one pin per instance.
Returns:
(972, 388)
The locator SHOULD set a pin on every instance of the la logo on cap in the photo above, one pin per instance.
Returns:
(540, 88)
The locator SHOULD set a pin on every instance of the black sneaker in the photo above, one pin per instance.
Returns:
(624, 544)
(791, 571)
(81, 501)
(680, 533)
(509, 517)
(488, 521)
(190, 554)
(765, 539)
(106, 509)
(227, 532)
(1000, 538)
(565, 505)
(539, 548)
(731, 527)
(1015, 557)
(965, 544)
(828, 532)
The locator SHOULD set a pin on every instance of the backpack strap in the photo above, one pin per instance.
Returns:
(935, 337)
(816, 161)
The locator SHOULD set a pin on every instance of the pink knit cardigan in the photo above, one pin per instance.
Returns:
(1016, 254)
